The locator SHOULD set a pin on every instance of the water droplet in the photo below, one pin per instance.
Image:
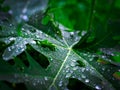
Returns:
(10, 12)
(74, 60)
(34, 84)
(60, 83)
(11, 39)
(26, 75)
(91, 59)
(71, 33)
(83, 76)
(72, 64)
(24, 17)
(73, 76)
(71, 71)
(79, 78)
(68, 75)
(103, 57)
(85, 54)
(87, 80)
(10, 25)
(12, 47)
(33, 42)
(83, 33)
(37, 36)
(83, 69)
(24, 10)
(67, 66)
(46, 78)
(67, 70)
(75, 68)
(98, 87)
(87, 69)
(103, 69)
(9, 49)
(22, 29)
(46, 35)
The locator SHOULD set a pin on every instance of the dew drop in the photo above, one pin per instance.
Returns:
(74, 60)
(60, 83)
(83, 33)
(67, 66)
(75, 68)
(33, 42)
(67, 70)
(10, 12)
(83, 76)
(103, 69)
(87, 69)
(26, 75)
(85, 54)
(37, 36)
(91, 59)
(72, 64)
(87, 80)
(68, 75)
(46, 35)
(83, 69)
(9, 49)
(12, 39)
(97, 87)
(79, 78)
(71, 34)
(34, 84)
(45, 78)
(22, 29)
(24, 17)
(24, 10)
(10, 25)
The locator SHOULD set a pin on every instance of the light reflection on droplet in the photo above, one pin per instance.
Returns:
(98, 87)
(87, 80)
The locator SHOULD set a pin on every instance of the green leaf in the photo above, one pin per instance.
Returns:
(65, 62)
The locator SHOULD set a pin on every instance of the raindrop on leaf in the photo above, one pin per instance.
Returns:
(97, 87)
(68, 75)
(45, 78)
(60, 83)
(87, 80)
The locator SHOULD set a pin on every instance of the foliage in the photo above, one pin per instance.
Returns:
(60, 44)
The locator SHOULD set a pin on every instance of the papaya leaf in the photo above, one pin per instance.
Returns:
(65, 62)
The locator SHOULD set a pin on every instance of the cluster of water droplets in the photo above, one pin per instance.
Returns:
(18, 47)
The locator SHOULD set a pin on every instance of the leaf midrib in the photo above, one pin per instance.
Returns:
(60, 68)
